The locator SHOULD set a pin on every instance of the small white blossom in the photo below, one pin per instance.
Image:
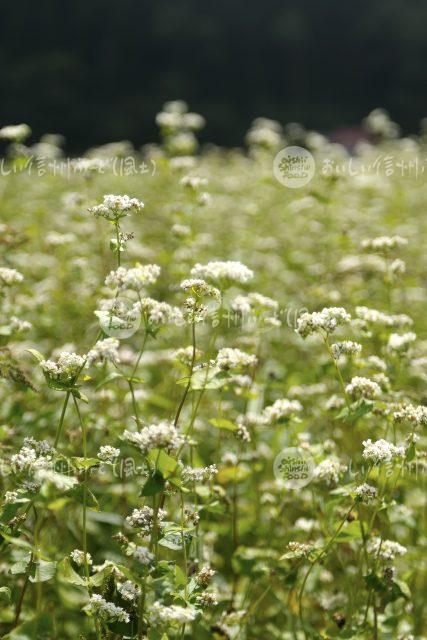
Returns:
(360, 387)
(400, 343)
(78, 557)
(366, 493)
(173, 615)
(107, 611)
(104, 351)
(381, 451)
(107, 453)
(221, 271)
(162, 435)
(386, 549)
(134, 278)
(8, 277)
(129, 591)
(348, 348)
(281, 409)
(228, 358)
(143, 519)
(326, 320)
(116, 207)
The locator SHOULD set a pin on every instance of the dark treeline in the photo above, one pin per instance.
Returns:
(99, 70)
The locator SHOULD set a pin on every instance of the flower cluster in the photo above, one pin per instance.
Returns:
(220, 271)
(163, 435)
(325, 321)
(382, 451)
(115, 207)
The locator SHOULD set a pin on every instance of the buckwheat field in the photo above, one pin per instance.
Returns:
(213, 401)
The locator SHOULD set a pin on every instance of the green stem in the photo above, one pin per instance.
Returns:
(61, 420)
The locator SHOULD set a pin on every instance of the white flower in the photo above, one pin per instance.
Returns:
(104, 351)
(143, 555)
(399, 343)
(107, 453)
(328, 472)
(129, 591)
(348, 348)
(78, 557)
(366, 493)
(8, 277)
(207, 599)
(107, 610)
(200, 288)
(158, 313)
(372, 316)
(199, 474)
(416, 414)
(220, 271)
(134, 278)
(360, 387)
(143, 519)
(15, 132)
(162, 435)
(116, 207)
(173, 615)
(281, 408)
(65, 369)
(386, 549)
(228, 358)
(326, 320)
(384, 243)
(381, 451)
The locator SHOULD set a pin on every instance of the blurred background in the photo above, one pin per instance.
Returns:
(99, 70)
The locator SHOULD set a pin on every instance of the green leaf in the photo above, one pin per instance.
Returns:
(45, 570)
(164, 463)
(114, 375)
(154, 484)
(32, 629)
(349, 532)
(222, 423)
(5, 594)
(78, 494)
(85, 463)
(68, 574)
(98, 578)
(36, 354)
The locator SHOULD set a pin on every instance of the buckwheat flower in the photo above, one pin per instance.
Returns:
(200, 288)
(181, 230)
(193, 182)
(115, 207)
(15, 132)
(376, 363)
(107, 453)
(400, 343)
(204, 576)
(117, 315)
(185, 355)
(381, 451)
(8, 277)
(107, 611)
(129, 591)
(143, 519)
(410, 413)
(135, 278)
(328, 472)
(386, 549)
(384, 243)
(306, 524)
(78, 557)
(281, 409)
(174, 615)
(162, 435)
(327, 320)
(360, 387)
(19, 326)
(218, 270)
(373, 316)
(242, 433)
(143, 555)
(366, 493)
(206, 600)
(348, 348)
(198, 474)
(106, 350)
(229, 358)
(10, 497)
(334, 402)
(398, 267)
(31, 458)
(158, 313)
(299, 549)
(43, 473)
(65, 369)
